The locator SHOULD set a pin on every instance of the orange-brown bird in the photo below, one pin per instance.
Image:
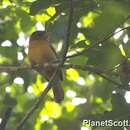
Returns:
(41, 53)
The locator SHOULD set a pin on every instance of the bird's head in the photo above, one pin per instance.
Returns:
(39, 35)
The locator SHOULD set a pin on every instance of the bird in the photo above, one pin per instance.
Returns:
(41, 53)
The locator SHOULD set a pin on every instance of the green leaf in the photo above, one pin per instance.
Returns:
(42, 5)
(9, 101)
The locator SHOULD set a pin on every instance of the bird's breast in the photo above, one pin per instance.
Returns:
(40, 53)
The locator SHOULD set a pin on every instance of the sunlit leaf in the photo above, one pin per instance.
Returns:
(52, 109)
(69, 106)
(122, 50)
(38, 86)
(51, 11)
(88, 20)
(72, 74)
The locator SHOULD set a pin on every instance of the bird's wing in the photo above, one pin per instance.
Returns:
(54, 50)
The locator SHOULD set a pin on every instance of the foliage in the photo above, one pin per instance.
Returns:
(88, 95)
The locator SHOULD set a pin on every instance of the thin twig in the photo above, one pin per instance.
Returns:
(101, 72)
(92, 69)
(118, 85)
(98, 42)
(44, 93)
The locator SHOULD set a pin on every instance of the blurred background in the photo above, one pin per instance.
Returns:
(87, 95)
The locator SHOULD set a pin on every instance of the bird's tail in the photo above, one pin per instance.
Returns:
(56, 86)
(58, 92)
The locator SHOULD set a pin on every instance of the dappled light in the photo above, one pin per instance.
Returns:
(19, 80)
(125, 39)
(20, 56)
(64, 63)
(118, 35)
(76, 101)
(81, 81)
(8, 89)
(6, 43)
(127, 96)
(39, 26)
(71, 93)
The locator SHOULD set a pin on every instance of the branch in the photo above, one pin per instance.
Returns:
(92, 69)
(9, 68)
(6, 117)
(112, 81)
(68, 33)
(97, 43)
(36, 104)
(100, 72)
(89, 68)
(44, 93)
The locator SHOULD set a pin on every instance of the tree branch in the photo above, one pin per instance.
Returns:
(91, 69)
(101, 72)
(9, 68)
(44, 93)
(36, 105)
(68, 33)
(5, 118)
(112, 81)
(97, 43)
